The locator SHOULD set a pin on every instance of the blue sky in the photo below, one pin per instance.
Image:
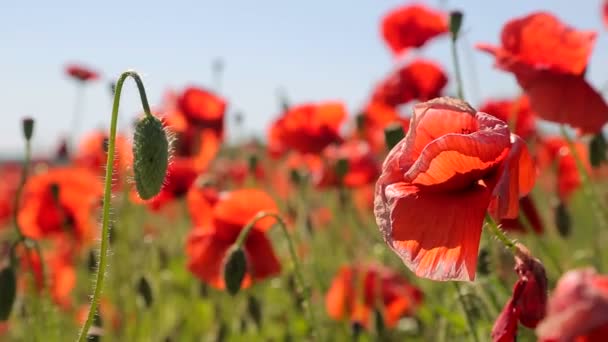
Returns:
(316, 50)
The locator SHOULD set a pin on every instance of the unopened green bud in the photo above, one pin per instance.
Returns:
(393, 134)
(597, 150)
(562, 220)
(8, 291)
(455, 23)
(150, 156)
(235, 267)
(28, 128)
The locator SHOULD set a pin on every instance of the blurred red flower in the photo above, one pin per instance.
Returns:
(578, 308)
(514, 112)
(362, 168)
(411, 26)
(356, 291)
(549, 60)
(420, 80)
(307, 128)
(60, 201)
(217, 228)
(81, 73)
(457, 163)
(203, 108)
(181, 174)
(529, 211)
(372, 122)
(92, 154)
(528, 303)
(10, 173)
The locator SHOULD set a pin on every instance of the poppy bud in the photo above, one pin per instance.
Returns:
(341, 168)
(563, 221)
(55, 192)
(253, 161)
(150, 156)
(235, 267)
(145, 291)
(254, 309)
(533, 301)
(597, 150)
(92, 261)
(379, 323)
(8, 291)
(28, 128)
(360, 120)
(295, 176)
(393, 134)
(455, 23)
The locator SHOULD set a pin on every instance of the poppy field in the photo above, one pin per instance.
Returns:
(420, 216)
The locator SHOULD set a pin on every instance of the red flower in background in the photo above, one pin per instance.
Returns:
(362, 166)
(60, 201)
(529, 211)
(420, 80)
(10, 173)
(307, 128)
(605, 12)
(528, 303)
(549, 60)
(373, 120)
(411, 27)
(92, 154)
(218, 226)
(357, 290)
(517, 112)
(452, 166)
(203, 108)
(555, 151)
(81, 73)
(578, 308)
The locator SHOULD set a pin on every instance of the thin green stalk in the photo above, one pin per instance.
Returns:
(307, 304)
(467, 314)
(107, 196)
(24, 175)
(502, 236)
(597, 206)
(456, 63)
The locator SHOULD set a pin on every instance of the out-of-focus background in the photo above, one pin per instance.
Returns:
(311, 50)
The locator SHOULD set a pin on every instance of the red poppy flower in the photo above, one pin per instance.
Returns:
(357, 290)
(236, 171)
(549, 59)
(203, 108)
(514, 112)
(59, 201)
(452, 166)
(362, 166)
(208, 244)
(530, 212)
(578, 308)
(555, 150)
(529, 300)
(411, 27)
(605, 12)
(420, 80)
(81, 73)
(308, 128)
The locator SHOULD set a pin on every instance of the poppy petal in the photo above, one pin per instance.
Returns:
(449, 254)
(262, 261)
(239, 207)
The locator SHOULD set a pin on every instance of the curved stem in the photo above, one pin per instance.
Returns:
(294, 258)
(107, 196)
(502, 237)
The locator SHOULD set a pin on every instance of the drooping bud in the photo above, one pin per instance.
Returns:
(253, 161)
(341, 168)
(393, 134)
(235, 267)
(533, 301)
(145, 291)
(54, 187)
(597, 150)
(28, 128)
(563, 221)
(360, 121)
(254, 309)
(455, 23)
(8, 291)
(150, 156)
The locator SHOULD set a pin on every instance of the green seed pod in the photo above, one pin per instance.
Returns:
(393, 134)
(28, 128)
(8, 291)
(235, 267)
(150, 156)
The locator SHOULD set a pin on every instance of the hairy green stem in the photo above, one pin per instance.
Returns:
(307, 304)
(456, 63)
(107, 196)
(500, 235)
(467, 314)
